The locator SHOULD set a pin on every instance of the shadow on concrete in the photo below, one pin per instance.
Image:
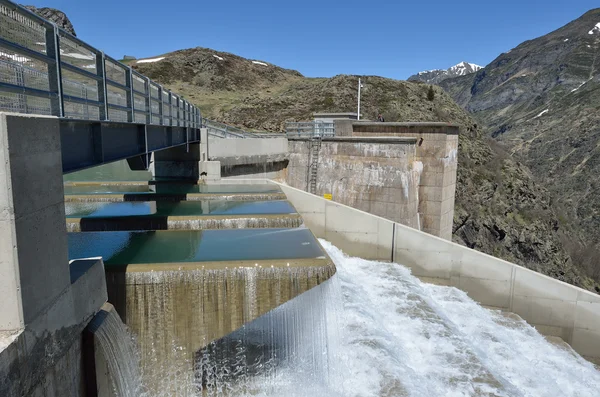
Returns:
(253, 169)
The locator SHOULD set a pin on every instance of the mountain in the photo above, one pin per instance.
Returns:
(436, 76)
(541, 100)
(54, 15)
(499, 209)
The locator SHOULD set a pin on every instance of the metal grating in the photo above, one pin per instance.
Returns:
(139, 103)
(139, 84)
(77, 85)
(140, 118)
(76, 54)
(84, 84)
(24, 31)
(12, 72)
(155, 107)
(115, 72)
(116, 96)
(81, 111)
(154, 91)
(117, 115)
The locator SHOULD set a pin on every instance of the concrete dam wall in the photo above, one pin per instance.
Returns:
(377, 175)
(405, 172)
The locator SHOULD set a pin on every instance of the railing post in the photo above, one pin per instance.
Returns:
(57, 106)
(130, 96)
(160, 105)
(102, 90)
(148, 101)
(170, 108)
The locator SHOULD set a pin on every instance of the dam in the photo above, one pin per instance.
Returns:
(149, 252)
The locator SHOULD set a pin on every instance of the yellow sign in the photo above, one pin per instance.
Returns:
(327, 196)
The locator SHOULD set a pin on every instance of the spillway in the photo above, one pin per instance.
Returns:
(375, 330)
(182, 215)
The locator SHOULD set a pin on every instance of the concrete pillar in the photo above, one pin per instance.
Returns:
(437, 149)
(204, 144)
(34, 267)
(186, 162)
(177, 162)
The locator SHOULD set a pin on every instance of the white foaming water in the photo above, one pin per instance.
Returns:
(121, 355)
(374, 330)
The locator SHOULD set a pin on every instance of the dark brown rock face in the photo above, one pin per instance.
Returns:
(56, 16)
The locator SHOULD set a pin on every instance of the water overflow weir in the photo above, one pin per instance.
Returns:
(259, 310)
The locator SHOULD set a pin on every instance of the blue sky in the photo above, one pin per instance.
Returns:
(323, 38)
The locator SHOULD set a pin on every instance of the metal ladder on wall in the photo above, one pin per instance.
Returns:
(315, 147)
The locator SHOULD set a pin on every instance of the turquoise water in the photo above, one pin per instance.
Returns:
(91, 209)
(172, 188)
(117, 171)
(120, 248)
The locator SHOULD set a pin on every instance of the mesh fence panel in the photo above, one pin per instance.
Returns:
(139, 84)
(15, 73)
(117, 115)
(154, 91)
(115, 73)
(22, 30)
(81, 111)
(139, 103)
(19, 103)
(140, 118)
(75, 54)
(155, 107)
(77, 85)
(19, 68)
(116, 96)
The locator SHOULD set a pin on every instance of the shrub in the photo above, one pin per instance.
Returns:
(431, 93)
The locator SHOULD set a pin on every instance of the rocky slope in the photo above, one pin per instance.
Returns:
(499, 210)
(436, 76)
(56, 16)
(542, 100)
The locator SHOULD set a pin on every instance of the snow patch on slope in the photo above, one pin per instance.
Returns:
(543, 112)
(596, 29)
(218, 57)
(259, 63)
(150, 60)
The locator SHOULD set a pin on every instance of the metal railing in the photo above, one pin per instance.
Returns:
(311, 129)
(46, 70)
(221, 130)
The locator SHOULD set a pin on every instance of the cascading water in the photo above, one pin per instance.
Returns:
(373, 329)
(120, 353)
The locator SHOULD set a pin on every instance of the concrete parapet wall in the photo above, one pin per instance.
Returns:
(377, 175)
(33, 238)
(45, 359)
(219, 148)
(553, 307)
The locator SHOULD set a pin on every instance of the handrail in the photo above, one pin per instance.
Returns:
(221, 130)
(311, 129)
(46, 70)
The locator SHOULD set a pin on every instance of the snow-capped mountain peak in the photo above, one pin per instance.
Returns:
(464, 68)
(437, 75)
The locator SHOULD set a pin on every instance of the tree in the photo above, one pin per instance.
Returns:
(430, 93)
